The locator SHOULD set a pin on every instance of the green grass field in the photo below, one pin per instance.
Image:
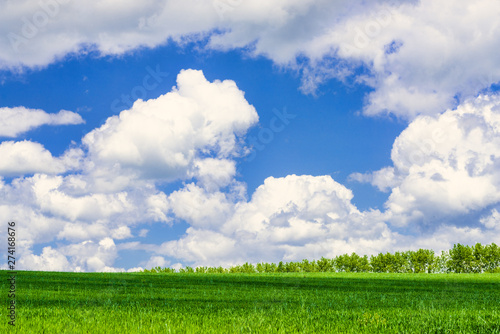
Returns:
(254, 303)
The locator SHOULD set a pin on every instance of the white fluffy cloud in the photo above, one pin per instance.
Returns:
(156, 261)
(84, 256)
(92, 256)
(287, 218)
(420, 55)
(199, 207)
(492, 221)
(445, 236)
(85, 197)
(444, 165)
(168, 137)
(49, 260)
(423, 55)
(62, 209)
(299, 217)
(15, 121)
(26, 157)
(214, 174)
(48, 209)
(204, 247)
(28, 26)
(87, 208)
(37, 33)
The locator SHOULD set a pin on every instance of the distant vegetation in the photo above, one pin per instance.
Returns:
(459, 259)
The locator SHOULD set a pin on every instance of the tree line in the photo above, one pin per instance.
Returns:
(459, 259)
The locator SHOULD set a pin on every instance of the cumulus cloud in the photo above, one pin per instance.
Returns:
(88, 208)
(491, 221)
(88, 196)
(84, 256)
(92, 256)
(420, 56)
(156, 261)
(114, 31)
(26, 157)
(48, 211)
(38, 33)
(384, 179)
(169, 138)
(306, 216)
(199, 207)
(51, 208)
(202, 247)
(49, 260)
(214, 174)
(417, 55)
(289, 218)
(444, 165)
(15, 121)
(445, 236)
(18, 204)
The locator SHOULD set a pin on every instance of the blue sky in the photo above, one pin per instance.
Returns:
(131, 138)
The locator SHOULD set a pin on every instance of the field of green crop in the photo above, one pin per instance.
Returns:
(254, 303)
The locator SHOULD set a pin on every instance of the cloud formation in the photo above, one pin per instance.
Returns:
(92, 199)
(288, 218)
(191, 131)
(419, 56)
(15, 121)
(444, 166)
(26, 157)
(95, 195)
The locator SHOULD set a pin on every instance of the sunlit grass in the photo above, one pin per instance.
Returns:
(243, 303)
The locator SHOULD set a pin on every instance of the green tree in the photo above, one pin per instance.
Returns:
(341, 262)
(270, 267)
(307, 266)
(201, 270)
(440, 264)
(363, 264)
(461, 259)
(292, 267)
(398, 263)
(478, 263)
(378, 263)
(491, 258)
(324, 265)
(352, 263)
(281, 267)
(421, 260)
(235, 270)
(248, 268)
(188, 270)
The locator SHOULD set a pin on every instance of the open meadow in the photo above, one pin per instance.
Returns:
(51, 302)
